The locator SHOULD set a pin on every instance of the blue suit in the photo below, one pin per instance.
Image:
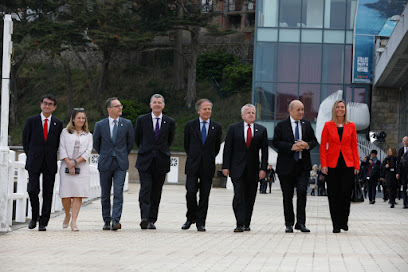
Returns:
(113, 164)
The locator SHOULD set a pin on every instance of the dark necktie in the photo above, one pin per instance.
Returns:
(115, 130)
(297, 138)
(45, 129)
(203, 132)
(157, 129)
(249, 136)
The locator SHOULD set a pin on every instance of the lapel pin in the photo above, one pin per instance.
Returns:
(164, 122)
(55, 124)
(212, 127)
(121, 125)
(256, 130)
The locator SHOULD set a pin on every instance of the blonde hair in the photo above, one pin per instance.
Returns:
(334, 117)
(71, 125)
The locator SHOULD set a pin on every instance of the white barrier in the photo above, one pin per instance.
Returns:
(19, 175)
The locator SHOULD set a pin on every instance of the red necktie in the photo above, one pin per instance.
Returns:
(249, 136)
(45, 129)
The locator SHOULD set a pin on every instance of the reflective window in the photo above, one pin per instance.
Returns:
(309, 94)
(310, 63)
(267, 35)
(311, 36)
(285, 92)
(265, 62)
(333, 63)
(349, 37)
(289, 35)
(335, 14)
(330, 89)
(351, 13)
(333, 36)
(349, 94)
(264, 95)
(348, 64)
(360, 95)
(288, 62)
(312, 13)
(269, 17)
(289, 13)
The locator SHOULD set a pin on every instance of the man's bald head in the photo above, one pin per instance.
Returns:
(296, 110)
(405, 141)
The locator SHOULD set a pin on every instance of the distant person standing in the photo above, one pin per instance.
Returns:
(154, 134)
(389, 170)
(270, 173)
(372, 169)
(241, 162)
(294, 138)
(202, 141)
(113, 139)
(41, 137)
(403, 170)
(340, 161)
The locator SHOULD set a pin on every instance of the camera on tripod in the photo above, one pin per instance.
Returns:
(377, 136)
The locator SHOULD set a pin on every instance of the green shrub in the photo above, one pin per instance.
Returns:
(237, 78)
(213, 62)
(133, 109)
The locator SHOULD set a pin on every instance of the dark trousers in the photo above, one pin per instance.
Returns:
(404, 179)
(392, 190)
(372, 188)
(298, 180)
(245, 189)
(339, 187)
(151, 184)
(116, 176)
(197, 212)
(33, 189)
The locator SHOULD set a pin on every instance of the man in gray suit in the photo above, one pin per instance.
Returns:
(113, 139)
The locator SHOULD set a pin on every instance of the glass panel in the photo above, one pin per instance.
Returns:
(270, 127)
(310, 63)
(335, 14)
(312, 36)
(267, 35)
(289, 14)
(312, 13)
(348, 65)
(349, 37)
(351, 13)
(360, 95)
(333, 63)
(286, 92)
(349, 94)
(333, 36)
(270, 13)
(289, 35)
(329, 89)
(309, 94)
(264, 96)
(265, 62)
(288, 62)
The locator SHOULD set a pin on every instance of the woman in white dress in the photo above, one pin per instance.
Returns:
(74, 151)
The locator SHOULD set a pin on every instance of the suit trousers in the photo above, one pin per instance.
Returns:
(245, 189)
(298, 180)
(33, 190)
(372, 188)
(404, 179)
(197, 212)
(340, 183)
(116, 176)
(151, 184)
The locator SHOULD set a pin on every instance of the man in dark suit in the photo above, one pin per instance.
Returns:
(402, 170)
(241, 163)
(41, 135)
(113, 139)
(154, 134)
(202, 140)
(372, 167)
(294, 138)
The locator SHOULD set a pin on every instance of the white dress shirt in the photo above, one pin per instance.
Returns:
(207, 125)
(246, 129)
(293, 123)
(160, 120)
(43, 121)
(111, 124)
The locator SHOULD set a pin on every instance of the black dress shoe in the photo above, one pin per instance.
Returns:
(32, 224)
(116, 226)
(144, 224)
(371, 202)
(289, 229)
(151, 225)
(106, 226)
(344, 227)
(336, 231)
(187, 225)
(200, 228)
(302, 228)
(247, 228)
(405, 207)
(41, 228)
(239, 229)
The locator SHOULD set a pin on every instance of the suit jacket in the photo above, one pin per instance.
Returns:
(35, 147)
(400, 169)
(237, 157)
(375, 169)
(198, 153)
(348, 146)
(103, 144)
(149, 146)
(283, 140)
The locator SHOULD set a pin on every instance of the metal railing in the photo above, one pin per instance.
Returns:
(365, 146)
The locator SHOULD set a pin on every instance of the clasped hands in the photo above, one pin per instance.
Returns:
(299, 145)
(71, 166)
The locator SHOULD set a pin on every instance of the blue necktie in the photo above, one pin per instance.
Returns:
(157, 129)
(203, 132)
(115, 130)
(297, 138)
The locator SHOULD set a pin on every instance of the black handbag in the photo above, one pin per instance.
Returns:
(357, 193)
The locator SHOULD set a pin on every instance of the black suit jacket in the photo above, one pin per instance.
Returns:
(237, 157)
(35, 147)
(198, 153)
(148, 145)
(283, 141)
(400, 169)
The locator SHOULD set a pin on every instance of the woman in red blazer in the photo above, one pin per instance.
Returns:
(340, 161)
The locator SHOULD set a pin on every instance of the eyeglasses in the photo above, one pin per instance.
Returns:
(117, 106)
(48, 104)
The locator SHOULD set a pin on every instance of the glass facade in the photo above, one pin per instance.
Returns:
(303, 50)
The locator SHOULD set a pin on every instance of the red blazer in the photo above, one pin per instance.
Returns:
(330, 146)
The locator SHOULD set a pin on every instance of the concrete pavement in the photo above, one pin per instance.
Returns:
(377, 239)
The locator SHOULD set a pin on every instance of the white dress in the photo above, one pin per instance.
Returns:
(73, 146)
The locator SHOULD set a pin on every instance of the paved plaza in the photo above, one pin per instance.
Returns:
(377, 239)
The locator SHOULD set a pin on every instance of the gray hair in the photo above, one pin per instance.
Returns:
(156, 96)
(293, 102)
(247, 105)
(108, 102)
(201, 101)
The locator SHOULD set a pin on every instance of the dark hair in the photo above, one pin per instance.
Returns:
(374, 152)
(201, 101)
(109, 101)
(50, 97)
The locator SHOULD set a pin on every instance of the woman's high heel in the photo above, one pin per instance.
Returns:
(65, 225)
(74, 228)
